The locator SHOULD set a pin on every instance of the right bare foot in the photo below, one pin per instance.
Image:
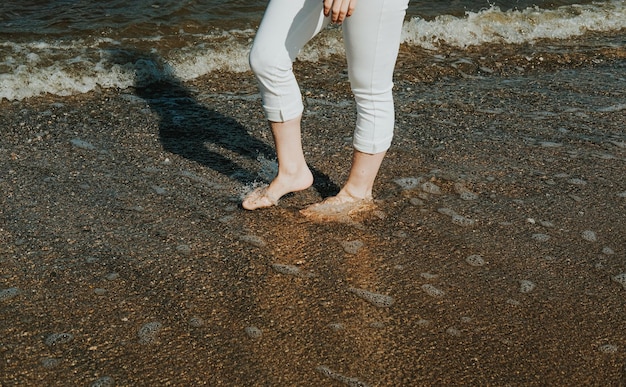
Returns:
(340, 208)
(282, 184)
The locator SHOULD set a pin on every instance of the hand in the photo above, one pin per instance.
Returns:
(339, 10)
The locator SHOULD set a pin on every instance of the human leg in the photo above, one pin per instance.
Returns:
(372, 39)
(286, 27)
(293, 172)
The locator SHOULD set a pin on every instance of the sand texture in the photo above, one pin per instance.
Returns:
(496, 254)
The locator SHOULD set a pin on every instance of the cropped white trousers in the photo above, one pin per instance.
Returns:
(371, 39)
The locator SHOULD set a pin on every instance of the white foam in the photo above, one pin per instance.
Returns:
(515, 26)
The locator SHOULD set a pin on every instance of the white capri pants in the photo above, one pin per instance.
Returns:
(371, 38)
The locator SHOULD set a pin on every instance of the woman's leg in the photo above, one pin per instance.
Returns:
(372, 39)
(286, 27)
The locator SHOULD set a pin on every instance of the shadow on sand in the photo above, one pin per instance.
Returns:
(189, 128)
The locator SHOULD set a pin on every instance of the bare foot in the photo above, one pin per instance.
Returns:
(282, 184)
(340, 208)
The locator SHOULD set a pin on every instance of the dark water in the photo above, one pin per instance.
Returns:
(69, 47)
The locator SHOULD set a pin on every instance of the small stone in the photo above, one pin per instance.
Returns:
(620, 279)
(7, 294)
(526, 286)
(253, 332)
(184, 249)
(475, 260)
(541, 237)
(352, 247)
(589, 236)
(196, 322)
(100, 291)
(58, 338)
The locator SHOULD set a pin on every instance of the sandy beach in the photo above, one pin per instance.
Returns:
(496, 256)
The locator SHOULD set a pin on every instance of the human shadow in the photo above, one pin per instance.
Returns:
(190, 129)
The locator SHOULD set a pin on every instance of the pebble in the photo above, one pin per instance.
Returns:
(526, 286)
(184, 249)
(376, 299)
(159, 190)
(7, 294)
(589, 236)
(464, 192)
(457, 219)
(336, 326)
(112, 276)
(541, 237)
(433, 291)
(453, 332)
(253, 332)
(291, 270)
(620, 279)
(408, 183)
(50, 362)
(461, 220)
(416, 202)
(352, 247)
(78, 143)
(608, 348)
(431, 188)
(576, 181)
(105, 381)
(148, 332)
(348, 381)
(608, 251)
(475, 260)
(196, 322)
(100, 291)
(253, 240)
(58, 338)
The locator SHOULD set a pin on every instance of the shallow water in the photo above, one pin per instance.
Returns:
(66, 48)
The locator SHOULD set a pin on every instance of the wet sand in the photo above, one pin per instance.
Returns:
(496, 256)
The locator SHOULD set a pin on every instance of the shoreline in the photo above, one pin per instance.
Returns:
(495, 259)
